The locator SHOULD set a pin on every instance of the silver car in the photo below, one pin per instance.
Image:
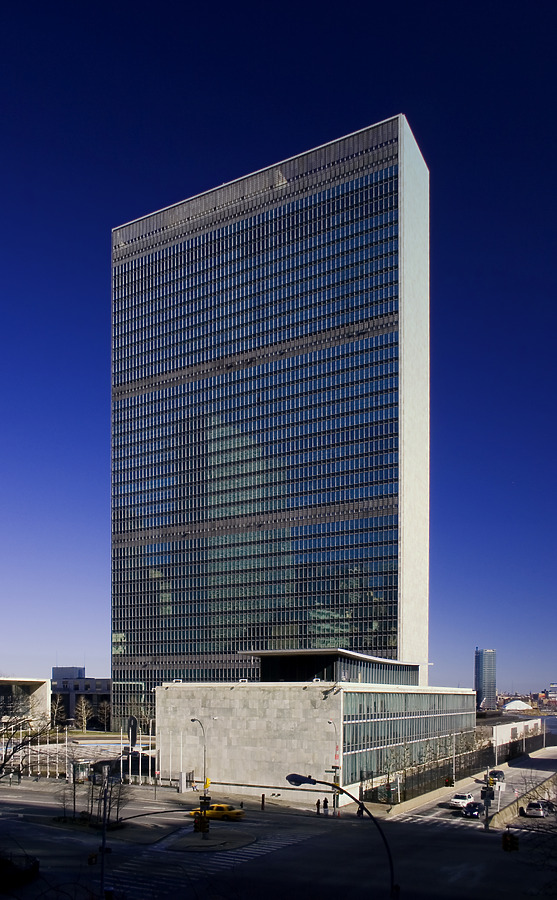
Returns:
(460, 800)
(536, 808)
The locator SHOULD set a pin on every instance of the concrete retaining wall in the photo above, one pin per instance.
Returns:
(506, 815)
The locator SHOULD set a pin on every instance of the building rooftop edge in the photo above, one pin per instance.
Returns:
(257, 172)
(344, 685)
(329, 651)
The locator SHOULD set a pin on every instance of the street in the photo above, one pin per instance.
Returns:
(277, 852)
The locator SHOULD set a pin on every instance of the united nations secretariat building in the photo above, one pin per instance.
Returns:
(270, 471)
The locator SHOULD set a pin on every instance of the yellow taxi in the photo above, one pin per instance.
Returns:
(220, 811)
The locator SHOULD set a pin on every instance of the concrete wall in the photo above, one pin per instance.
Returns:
(255, 734)
(502, 732)
(414, 403)
(37, 690)
(508, 813)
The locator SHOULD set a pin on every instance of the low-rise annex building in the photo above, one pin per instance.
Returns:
(29, 697)
(322, 713)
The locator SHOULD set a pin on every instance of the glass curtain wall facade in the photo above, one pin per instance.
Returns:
(256, 421)
(485, 679)
(388, 732)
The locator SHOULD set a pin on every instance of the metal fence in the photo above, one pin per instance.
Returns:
(439, 773)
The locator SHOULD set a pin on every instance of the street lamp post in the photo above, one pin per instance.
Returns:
(298, 780)
(336, 764)
(334, 724)
(204, 755)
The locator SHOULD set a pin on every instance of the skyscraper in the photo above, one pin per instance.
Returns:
(485, 679)
(270, 467)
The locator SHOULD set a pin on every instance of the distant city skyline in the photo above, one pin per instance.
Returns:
(106, 118)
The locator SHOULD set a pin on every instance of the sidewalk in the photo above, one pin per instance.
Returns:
(544, 760)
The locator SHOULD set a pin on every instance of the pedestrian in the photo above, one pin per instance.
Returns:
(325, 807)
(360, 811)
(11, 777)
(318, 806)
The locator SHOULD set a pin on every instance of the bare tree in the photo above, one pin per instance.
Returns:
(22, 725)
(104, 714)
(119, 796)
(83, 713)
(545, 791)
(78, 789)
(57, 710)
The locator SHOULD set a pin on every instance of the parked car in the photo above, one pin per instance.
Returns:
(536, 808)
(473, 810)
(496, 775)
(459, 801)
(220, 811)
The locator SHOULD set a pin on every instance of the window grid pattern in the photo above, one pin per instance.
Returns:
(387, 732)
(319, 428)
(321, 261)
(310, 435)
(376, 672)
(259, 590)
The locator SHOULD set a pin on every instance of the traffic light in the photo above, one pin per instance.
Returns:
(200, 823)
(509, 841)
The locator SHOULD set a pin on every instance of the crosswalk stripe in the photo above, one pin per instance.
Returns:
(437, 821)
(135, 874)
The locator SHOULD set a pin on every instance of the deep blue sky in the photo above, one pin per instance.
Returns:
(110, 111)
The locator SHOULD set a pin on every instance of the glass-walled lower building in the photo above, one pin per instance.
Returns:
(388, 731)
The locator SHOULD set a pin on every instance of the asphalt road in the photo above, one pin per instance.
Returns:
(278, 853)
(521, 775)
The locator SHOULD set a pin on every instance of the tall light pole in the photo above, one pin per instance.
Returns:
(199, 722)
(334, 724)
(336, 764)
(298, 780)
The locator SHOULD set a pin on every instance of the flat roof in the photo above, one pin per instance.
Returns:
(282, 162)
(345, 686)
(328, 651)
